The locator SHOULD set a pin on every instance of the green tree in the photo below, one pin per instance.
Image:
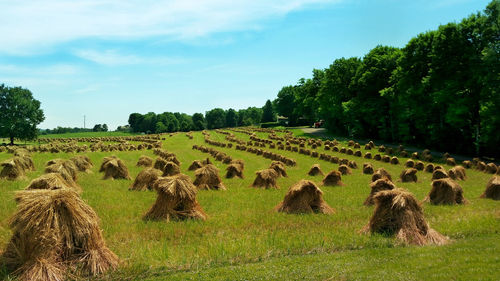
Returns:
(134, 120)
(198, 122)
(268, 114)
(216, 118)
(20, 113)
(231, 118)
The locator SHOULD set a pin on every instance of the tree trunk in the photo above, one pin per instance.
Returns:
(11, 140)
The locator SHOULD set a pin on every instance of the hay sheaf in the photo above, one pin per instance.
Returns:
(176, 200)
(408, 175)
(234, 170)
(82, 163)
(11, 170)
(367, 168)
(334, 178)
(376, 186)
(171, 169)
(114, 168)
(492, 190)
(315, 170)
(398, 213)
(409, 163)
(491, 168)
(207, 177)
(279, 167)
(52, 181)
(55, 232)
(345, 170)
(195, 165)
(304, 197)
(439, 174)
(445, 192)
(457, 173)
(145, 179)
(419, 165)
(429, 168)
(145, 161)
(265, 178)
(381, 173)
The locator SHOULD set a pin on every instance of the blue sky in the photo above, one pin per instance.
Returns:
(107, 59)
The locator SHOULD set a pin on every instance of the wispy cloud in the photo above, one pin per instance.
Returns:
(30, 26)
(115, 58)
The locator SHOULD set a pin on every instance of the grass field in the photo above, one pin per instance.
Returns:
(244, 239)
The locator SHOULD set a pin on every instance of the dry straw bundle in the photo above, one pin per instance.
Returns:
(457, 173)
(304, 197)
(82, 163)
(408, 175)
(145, 179)
(279, 167)
(234, 170)
(367, 168)
(195, 165)
(492, 189)
(398, 213)
(315, 170)
(207, 177)
(171, 169)
(265, 178)
(334, 178)
(52, 181)
(445, 192)
(439, 174)
(381, 173)
(145, 161)
(114, 168)
(345, 170)
(176, 200)
(55, 231)
(12, 170)
(376, 186)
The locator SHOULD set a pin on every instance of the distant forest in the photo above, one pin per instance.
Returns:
(440, 91)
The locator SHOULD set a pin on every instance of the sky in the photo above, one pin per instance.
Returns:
(107, 59)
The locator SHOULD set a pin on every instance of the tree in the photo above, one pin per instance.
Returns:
(134, 120)
(198, 122)
(20, 113)
(216, 118)
(268, 114)
(104, 127)
(231, 118)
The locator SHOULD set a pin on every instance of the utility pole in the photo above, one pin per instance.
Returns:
(84, 121)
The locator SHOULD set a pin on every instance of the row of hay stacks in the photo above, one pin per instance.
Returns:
(218, 155)
(217, 143)
(73, 147)
(55, 233)
(16, 167)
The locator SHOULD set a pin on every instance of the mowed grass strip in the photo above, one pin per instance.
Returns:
(242, 228)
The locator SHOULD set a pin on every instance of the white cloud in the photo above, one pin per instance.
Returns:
(115, 58)
(30, 26)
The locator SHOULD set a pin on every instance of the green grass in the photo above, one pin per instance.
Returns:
(244, 239)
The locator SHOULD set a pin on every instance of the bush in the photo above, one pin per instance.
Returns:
(270, 124)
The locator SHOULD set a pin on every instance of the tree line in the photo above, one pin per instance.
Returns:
(439, 91)
(213, 119)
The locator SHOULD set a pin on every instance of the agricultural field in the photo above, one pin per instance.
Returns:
(244, 238)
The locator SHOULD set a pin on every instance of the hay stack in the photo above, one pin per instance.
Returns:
(492, 189)
(266, 178)
(62, 166)
(55, 231)
(207, 177)
(304, 197)
(234, 170)
(145, 161)
(176, 200)
(160, 163)
(376, 186)
(82, 163)
(315, 170)
(419, 165)
(171, 169)
(445, 192)
(52, 181)
(114, 168)
(398, 213)
(439, 174)
(279, 167)
(451, 161)
(467, 164)
(410, 163)
(345, 170)
(491, 168)
(207, 161)
(195, 165)
(429, 168)
(368, 155)
(352, 164)
(334, 178)
(408, 175)
(367, 168)
(145, 179)
(457, 173)
(11, 170)
(394, 160)
(381, 173)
